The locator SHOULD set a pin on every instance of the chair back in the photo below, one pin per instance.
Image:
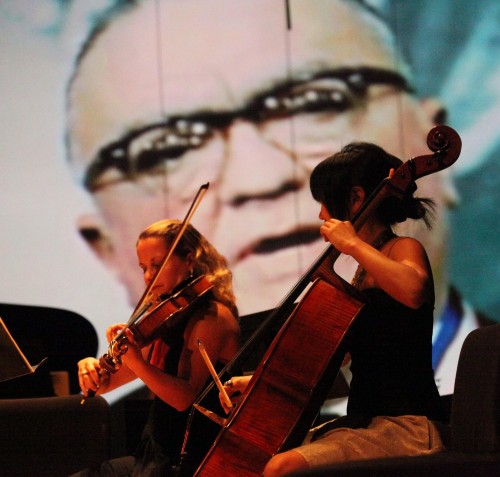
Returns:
(475, 412)
(53, 436)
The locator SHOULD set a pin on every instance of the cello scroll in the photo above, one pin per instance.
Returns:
(446, 145)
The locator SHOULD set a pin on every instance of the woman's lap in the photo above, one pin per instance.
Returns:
(383, 437)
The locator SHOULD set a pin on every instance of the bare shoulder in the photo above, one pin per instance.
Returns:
(217, 328)
(404, 245)
(226, 319)
(410, 251)
(216, 316)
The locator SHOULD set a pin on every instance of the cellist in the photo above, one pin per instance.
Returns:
(394, 407)
(171, 366)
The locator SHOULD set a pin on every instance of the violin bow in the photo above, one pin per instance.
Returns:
(143, 305)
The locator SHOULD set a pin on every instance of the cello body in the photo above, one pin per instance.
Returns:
(290, 384)
(294, 377)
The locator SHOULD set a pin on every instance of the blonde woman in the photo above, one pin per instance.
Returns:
(172, 366)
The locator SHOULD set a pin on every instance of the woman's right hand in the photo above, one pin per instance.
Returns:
(234, 386)
(89, 376)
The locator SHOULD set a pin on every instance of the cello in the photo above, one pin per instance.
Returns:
(294, 377)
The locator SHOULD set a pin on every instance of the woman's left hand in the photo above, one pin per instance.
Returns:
(133, 355)
(341, 234)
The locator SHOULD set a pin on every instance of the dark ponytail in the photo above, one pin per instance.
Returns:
(395, 210)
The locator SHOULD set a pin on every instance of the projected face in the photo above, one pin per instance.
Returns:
(222, 92)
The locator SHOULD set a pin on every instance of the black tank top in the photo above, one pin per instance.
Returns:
(391, 350)
(164, 433)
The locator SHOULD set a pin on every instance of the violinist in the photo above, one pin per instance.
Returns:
(394, 407)
(171, 366)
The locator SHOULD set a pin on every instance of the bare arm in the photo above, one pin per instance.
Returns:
(405, 274)
(92, 378)
(217, 332)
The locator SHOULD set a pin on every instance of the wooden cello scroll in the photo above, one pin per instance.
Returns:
(292, 381)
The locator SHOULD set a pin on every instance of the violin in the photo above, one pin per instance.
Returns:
(163, 316)
(151, 318)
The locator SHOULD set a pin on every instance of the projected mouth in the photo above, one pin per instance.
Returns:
(273, 244)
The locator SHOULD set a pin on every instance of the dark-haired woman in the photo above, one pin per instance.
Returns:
(393, 405)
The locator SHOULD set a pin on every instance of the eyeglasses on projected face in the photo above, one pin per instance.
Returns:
(291, 116)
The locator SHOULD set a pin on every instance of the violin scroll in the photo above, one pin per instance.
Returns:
(111, 362)
(150, 325)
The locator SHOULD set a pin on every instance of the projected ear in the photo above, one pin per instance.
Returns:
(94, 232)
(435, 112)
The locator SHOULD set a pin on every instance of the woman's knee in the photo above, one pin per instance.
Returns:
(282, 464)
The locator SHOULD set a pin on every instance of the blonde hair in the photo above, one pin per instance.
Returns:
(207, 260)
